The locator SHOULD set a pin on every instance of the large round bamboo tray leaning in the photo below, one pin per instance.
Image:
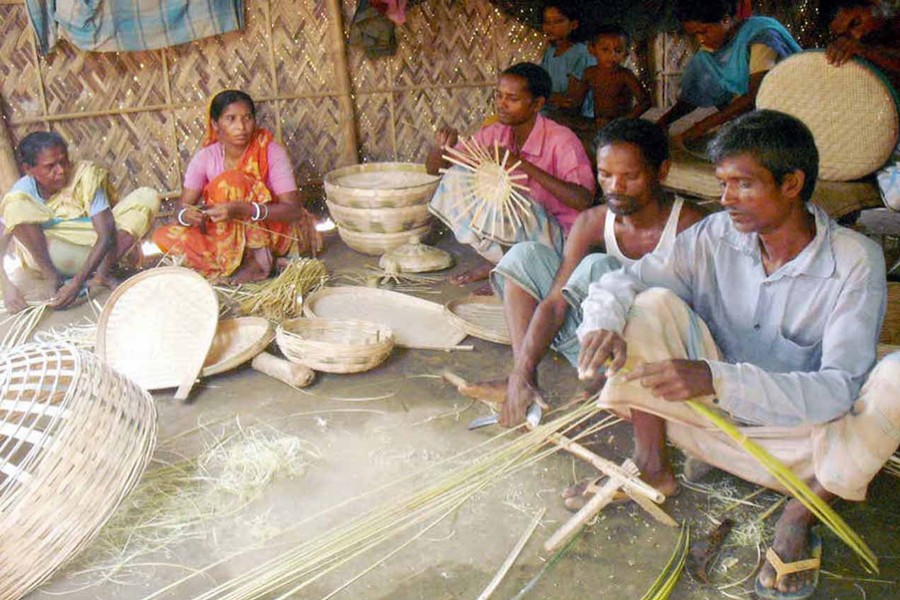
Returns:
(335, 346)
(481, 317)
(158, 326)
(236, 342)
(380, 185)
(851, 111)
(375, 244)
(415, 323)
(380, 220)
(75, 437)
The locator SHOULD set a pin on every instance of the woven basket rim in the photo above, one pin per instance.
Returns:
(331, 356)
(246, 349)
(499, 336)
(330, 179)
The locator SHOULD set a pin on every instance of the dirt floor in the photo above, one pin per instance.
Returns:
(360, 432)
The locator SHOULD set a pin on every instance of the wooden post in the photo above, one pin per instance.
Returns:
(9, 170)
(350, 149)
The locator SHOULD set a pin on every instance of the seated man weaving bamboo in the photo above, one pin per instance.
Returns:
(557, 170)
(769, 313)
(64, 223)
(542, 291)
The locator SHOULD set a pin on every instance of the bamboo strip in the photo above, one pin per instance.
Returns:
(513, 555)
(338, 52)
(273, 73)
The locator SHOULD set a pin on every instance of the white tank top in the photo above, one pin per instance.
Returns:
(666, 240)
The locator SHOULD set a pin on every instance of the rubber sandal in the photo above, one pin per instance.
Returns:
(813, 563)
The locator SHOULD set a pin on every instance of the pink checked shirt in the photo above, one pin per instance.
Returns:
(554, 149)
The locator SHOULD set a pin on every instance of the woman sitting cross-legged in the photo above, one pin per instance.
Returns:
(239, 208)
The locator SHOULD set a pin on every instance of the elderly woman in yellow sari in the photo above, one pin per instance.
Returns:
(66, 222)
(239, 208)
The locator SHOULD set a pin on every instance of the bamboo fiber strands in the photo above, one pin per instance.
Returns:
(494, 199)
(21, 325)
(668, 579)
(281, 298)
(441, 492)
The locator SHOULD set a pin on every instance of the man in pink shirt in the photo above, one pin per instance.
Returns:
(558, 171)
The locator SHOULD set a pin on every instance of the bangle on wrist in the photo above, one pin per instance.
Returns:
(256, 211)
(265, 215)
(179, 218)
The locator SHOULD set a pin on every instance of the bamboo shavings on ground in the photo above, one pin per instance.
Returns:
(21, 325)
(795, 486)
(173, 504)
(668, 579)
(81, 334)
(471, 471)
(281, 298)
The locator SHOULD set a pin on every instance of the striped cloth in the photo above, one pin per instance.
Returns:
(131, 25)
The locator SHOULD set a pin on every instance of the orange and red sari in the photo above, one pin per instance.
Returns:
(218, 249)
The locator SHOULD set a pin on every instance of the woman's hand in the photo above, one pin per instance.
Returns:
(229, 211)
(191, 215)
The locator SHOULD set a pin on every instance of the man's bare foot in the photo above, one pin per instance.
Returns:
(578, 494)
(479, 273)
(248, 272)
(791, 544)
(13, 300)
(493, 391)
(663, 480)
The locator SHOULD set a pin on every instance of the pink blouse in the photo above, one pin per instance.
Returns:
(209, 163)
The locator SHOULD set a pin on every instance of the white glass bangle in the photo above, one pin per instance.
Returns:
(179, 218)
(257, 211)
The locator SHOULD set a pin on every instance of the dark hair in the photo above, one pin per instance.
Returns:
(704, 11)
(648, 137)
(36, 142)
(226, 98)
(829, 9)
(779, 142)
(610, 30)
(568, 9)
(536, 78)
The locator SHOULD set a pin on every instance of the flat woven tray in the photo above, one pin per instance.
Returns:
(415, 323)
(157, 327)
(236, 342)
(481, 317)
(850, 110)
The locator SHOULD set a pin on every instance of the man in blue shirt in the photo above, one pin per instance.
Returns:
(769, 312)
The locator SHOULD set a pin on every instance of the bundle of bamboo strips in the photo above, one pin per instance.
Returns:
(280, 298)
(430, 502)
(668, 579)
(494, 200)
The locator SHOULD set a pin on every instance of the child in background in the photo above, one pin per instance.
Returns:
(565, 59)
(616, 90)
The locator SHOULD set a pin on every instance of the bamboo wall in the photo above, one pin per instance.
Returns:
(142, 114)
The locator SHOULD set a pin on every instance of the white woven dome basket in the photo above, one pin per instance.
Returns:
(849, 109)
(75, 437)
(335, 346)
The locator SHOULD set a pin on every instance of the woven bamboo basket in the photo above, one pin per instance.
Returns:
(236, 342)
(380, 220)
(75, 437)
(480, 316)
(335, 346)
(890, 330)
(415, 257)
(380, 185)
(375, 244)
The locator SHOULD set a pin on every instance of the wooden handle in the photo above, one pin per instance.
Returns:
(285, 371)
(603, 497)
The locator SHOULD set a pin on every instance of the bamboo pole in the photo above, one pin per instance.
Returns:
(349, 153)
(273, 71)
(9, 170)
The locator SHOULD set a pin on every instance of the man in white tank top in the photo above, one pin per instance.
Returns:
(542, 292)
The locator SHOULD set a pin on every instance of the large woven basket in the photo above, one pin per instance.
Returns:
(380, 185)
(380, 220)
(75, 437)
(376, 244)
(481, 317)
(335, 346)
(850, 110)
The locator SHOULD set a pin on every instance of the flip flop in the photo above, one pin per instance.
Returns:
(813, 563)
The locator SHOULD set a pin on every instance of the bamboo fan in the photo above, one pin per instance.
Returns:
(493, 198)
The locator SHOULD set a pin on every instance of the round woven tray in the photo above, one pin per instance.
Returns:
(850, 110)
(75, 437)
(415, 323)
(481, 317)
(375, 244)
(380, 185)
(380, 220)
(236, 342)
(335, 346)
(158, 326)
